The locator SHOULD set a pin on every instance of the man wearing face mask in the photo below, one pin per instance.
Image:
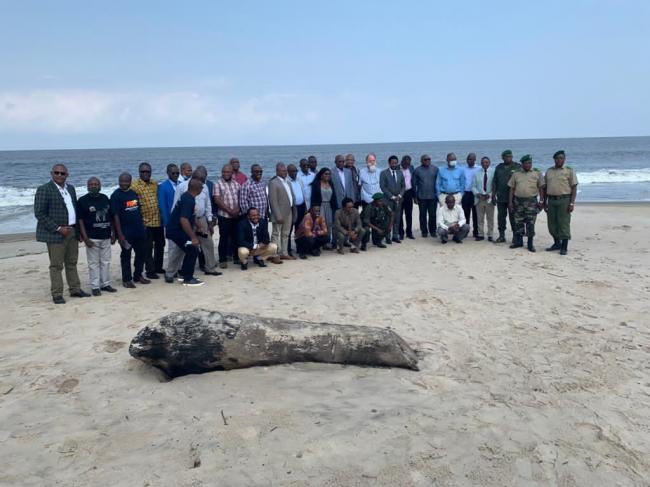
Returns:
(98, 234)
(369, 180)
(451, 181)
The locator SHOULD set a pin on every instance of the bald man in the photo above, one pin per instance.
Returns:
(282, 203)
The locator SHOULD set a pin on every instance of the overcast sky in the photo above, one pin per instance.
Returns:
(140, 74)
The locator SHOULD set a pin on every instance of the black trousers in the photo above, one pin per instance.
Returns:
(300, 214)
(189, 261)
(228, 238)
(307, 245)
(376, 238)
(467, 202)
(155, 249)
(406, 214)
(428, 224)
(139, 247)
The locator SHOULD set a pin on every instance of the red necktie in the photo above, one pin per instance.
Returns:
(485, 181)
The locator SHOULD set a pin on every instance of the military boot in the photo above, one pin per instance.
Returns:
(556, 245)
(531, 247)
(565, 246)
(517, 242)
(502, 236)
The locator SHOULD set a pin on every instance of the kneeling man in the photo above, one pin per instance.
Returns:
(347, 225)
(311, 234)
(451, 221)
(253, 239)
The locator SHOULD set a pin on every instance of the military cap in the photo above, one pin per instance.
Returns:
(526, 158)
(558, 153)
(377, 196)
(506, 152)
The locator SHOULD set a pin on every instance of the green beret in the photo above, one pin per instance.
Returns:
(505, 153)
(526, 158)
(558, 153)
(377, 196)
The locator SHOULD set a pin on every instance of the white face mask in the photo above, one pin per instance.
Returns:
(452, 163)
(372, 168)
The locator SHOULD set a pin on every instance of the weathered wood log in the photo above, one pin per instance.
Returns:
(199, 341)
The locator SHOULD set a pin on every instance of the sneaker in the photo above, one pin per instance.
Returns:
(193, 282)
(109, 289)
(96, 292)
(58, 300)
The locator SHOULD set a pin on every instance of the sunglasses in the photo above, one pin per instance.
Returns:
(59, 173)
(144, 171)
(174, 173)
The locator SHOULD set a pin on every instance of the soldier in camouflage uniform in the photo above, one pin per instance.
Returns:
(500, 192)
(379, 219)
(560, 196)
(525, 185)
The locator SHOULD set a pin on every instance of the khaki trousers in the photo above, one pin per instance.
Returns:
(262, 251)
(207, 246)
(485, 211)
(64, 255)
(280, 236)
(99, 263)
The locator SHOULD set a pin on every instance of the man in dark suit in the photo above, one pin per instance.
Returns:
(391, 182)
(55, 206)
(407, 203)
(253, 239)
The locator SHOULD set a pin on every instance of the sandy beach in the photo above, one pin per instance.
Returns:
(535, 371)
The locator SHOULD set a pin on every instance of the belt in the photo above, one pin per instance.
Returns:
(526, 198)
(559, 197)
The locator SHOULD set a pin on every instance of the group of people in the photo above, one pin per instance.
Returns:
(310, 209)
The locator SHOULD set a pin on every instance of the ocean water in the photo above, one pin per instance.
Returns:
(609, 169)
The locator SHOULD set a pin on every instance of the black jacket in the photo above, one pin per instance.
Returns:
(246, 233)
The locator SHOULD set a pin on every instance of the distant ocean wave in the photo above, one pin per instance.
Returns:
(10, 196)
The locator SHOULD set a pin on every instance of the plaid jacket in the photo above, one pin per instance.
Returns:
(50, 212)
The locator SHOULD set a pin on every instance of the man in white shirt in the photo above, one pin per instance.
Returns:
(482, 189)
(451, 221)
(306, 177)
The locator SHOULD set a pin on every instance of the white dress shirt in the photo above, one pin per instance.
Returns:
(254, 227)
(446, 217)
(287, 188)
(72, 214)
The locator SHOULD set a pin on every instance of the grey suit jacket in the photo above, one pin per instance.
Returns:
(392, 187)
(350, 189)
(279, 201)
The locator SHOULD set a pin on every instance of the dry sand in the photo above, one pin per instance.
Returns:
(535, 371)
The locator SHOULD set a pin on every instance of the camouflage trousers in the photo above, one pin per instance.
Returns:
(525, 216)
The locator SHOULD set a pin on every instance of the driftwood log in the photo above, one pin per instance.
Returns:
(199, 341)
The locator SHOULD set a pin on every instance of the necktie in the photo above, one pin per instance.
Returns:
(485, 181)
(394, 177)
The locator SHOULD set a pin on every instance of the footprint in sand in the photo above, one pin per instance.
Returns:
(67, 386)
(109, 346)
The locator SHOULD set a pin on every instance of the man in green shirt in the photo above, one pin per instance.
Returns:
(560, 198)
(501, 191)
(379, 219)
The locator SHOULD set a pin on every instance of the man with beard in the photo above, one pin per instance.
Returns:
(369, 180)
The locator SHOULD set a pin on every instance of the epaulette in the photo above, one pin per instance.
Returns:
(535, 169)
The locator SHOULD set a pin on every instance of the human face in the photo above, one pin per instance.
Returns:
(256, 173)
(186, 170)
(235, 165)
(349, 161)
(527, 166)
(145, 173)
(124, 182)
(379, 202)
(371, 161)
(326, 176)
(485, 163)
(313, 163)
(254, 217)
(315, 211)
(93, 186)
(451, 161)
(281, 171)
(507, 160)
(339, 161)
(59, 174)
(393, 163)
(426, 161)
(471, 160)
(559, 161)
(292, 171)
(173, 173)
(450, 201)
(349, 206)
(304, 167)
(406, 162)
(226, 172)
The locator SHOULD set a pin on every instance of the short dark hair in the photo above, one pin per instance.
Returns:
(345, 201)
(393, 158)
(144, 164)
(171, 166)
(248, 212)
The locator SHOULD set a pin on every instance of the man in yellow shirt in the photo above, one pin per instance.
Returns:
(525, 185)
(147, 191)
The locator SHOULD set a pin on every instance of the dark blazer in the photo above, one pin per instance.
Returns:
(246, 233)
(317, 197)
(50, 211)
(349, 190)
(392, 187)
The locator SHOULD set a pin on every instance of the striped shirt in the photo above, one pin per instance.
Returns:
(148, 195)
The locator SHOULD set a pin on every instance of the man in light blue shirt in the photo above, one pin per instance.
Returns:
(306, 177)
(369, 180)
(299, 199)
(451, 180)
(467, 202)
(482, 191)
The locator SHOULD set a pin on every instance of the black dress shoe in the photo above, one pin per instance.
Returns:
(159, 271)
(490, 239)
(380, 245)
(389, 242)
(364, 247)
(236, 261)
(80, 294)
(58, 300)
(260, 262)
(302, 256)
(152, 275)
(212, 273)
(410, 236)
(243, 267)
(396, 240)
(109, 289)
(96, 292)
(128, 284)
(169, 280)
(425, 234)
(478, 239)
